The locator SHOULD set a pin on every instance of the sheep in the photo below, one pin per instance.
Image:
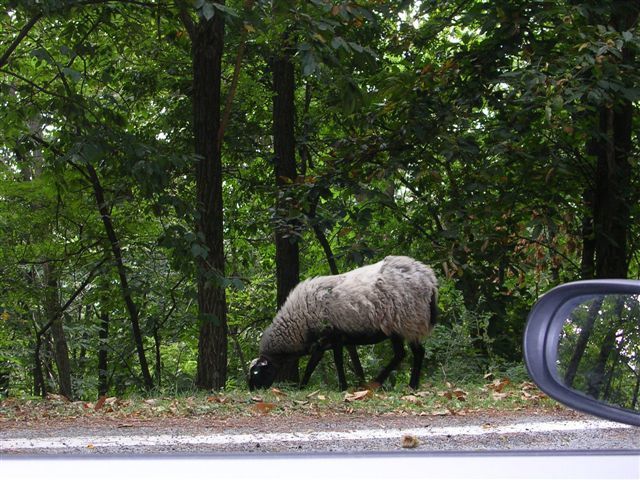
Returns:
(393, 299)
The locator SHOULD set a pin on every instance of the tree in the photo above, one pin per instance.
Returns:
(284, 145)
(207, 38)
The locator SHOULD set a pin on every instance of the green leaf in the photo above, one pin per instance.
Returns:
(74, 75)
(339, 42)
(225, 9)
(208, 11)
(309, 63)
(356, 47)
(41, 54)
(198, 250)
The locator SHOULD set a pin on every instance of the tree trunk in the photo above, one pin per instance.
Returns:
(583, 339)
(587, 260)
(39, 385)
(612, 192)
(287, 250)
(132, 309)
(103, 354)
(158, 352)
(54, 316)
(614, 170)
(207, 46)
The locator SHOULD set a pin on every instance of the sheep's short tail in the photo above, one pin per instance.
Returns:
(433, 310)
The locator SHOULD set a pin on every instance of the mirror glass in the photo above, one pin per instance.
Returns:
(599, 349)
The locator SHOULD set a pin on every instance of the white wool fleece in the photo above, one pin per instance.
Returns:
(392, 296)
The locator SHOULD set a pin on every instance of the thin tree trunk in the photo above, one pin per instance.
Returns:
(156, 342)
(54, 316)
(587, 261)
(39, 385)
(586, 329)
(103, 354)
(132, 309)
(597, 373)
(207, 47)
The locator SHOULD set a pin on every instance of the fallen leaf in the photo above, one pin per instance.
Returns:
(441, 413)
(315, 392)
(257, 399)
(278, 392)
(409, 441)
(423, 394)
(100, 403)
(498, 384)
(91, 446)
(264, 407)
(355, 396)
(410, 398)
(57, 398)
(460, 394)
(321, 397)
(499, 396)
(217, 399)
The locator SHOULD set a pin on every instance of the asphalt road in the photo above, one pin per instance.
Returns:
(511, 432)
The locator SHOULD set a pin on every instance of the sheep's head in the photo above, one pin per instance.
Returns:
(262, 373)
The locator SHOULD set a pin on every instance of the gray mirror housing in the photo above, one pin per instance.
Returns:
(541, 343)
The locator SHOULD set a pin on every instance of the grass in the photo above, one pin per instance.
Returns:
(432, 399)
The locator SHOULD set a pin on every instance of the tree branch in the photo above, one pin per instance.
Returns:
(74, 295)
(187, 21)
(16, 41)
(236, 75)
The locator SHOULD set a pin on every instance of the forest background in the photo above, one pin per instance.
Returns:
(172, 168)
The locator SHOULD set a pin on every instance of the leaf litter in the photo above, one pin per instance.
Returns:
(442, 400)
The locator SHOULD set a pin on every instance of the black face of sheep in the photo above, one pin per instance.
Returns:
(262, 373)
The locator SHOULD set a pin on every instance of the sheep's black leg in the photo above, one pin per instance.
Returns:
(337, 358)
(355, 362)
(418, 355)
(398, 354)
(316, 356)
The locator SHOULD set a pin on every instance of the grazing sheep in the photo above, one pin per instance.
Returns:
(393, 299)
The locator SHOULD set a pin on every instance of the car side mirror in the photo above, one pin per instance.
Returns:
(582, 347)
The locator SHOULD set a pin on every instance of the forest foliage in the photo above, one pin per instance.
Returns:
(141, 206)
